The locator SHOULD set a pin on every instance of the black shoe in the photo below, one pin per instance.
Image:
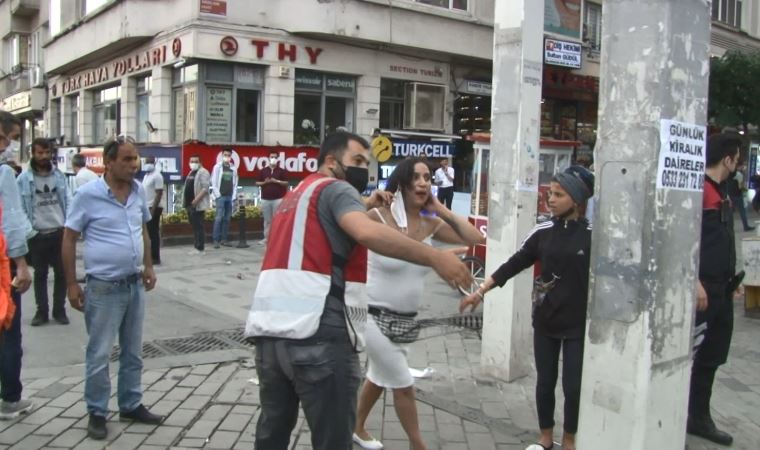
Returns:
(39, 319)
(96, 427)
(142, 415)
(749, 228)
(61, 318)
(706, 429)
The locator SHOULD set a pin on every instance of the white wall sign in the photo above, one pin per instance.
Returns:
(477, 87)
(562, 53)
(219, 115)
(682, 156)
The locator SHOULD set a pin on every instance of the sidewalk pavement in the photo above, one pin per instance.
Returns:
(211, 398)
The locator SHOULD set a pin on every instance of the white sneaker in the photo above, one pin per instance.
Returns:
(369, 444)
(11, 410)
(195, 252)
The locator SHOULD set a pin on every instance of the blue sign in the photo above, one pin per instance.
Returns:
(430, 149)
(168, 161)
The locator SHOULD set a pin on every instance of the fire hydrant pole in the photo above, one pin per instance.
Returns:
(513, 181)
(653, 102)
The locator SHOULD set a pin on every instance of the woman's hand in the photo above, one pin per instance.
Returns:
(433, 206)
(472, 301)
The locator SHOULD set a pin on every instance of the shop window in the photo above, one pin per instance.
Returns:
(559, 119)
(458, 5)
(72, 131)
(728, 12)
(184, 95)
(391, 104)
(592, 26)
(106, 112)
(324, 103)
(54, 118)
(232, 102)
(143, 108)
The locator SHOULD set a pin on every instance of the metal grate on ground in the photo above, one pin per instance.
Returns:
(149, 350)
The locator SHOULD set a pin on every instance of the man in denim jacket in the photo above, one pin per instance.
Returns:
(45, 197)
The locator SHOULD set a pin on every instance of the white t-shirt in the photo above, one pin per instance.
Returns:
(84, 175)
(152, 182)
(441, 179)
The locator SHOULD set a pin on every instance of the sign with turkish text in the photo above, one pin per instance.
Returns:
(251, 159)
(168, 161)
(682, 156)
(432, 149)
(562, 53)
(219, 114)
(214, 7)
(93, 158)
(306, 79)
(477, 87)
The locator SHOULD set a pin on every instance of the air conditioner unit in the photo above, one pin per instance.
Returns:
(36, 77)
(424, 106)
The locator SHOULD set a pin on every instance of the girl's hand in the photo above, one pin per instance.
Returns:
(433, 205)
(472, 301)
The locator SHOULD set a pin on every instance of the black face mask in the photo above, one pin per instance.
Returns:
(358, 177)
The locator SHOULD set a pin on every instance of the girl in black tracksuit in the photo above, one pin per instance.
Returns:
(562, 247)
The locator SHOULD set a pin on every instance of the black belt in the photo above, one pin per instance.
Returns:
(376, 311)
(129, 279)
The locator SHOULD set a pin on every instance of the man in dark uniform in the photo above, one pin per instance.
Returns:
(717, 282)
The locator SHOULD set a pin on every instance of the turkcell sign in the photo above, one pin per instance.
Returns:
(562, 53)
(422, 148)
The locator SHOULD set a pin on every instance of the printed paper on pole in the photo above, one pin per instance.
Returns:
(682, 156)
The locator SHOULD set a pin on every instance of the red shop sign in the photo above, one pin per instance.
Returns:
(250, 159)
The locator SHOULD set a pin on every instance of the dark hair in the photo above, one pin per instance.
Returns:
(78, 160)
(7, 121)
(403, 175)
(721, 145)
(42, 143)
(111, 147)
(336, 143)
(226, 150)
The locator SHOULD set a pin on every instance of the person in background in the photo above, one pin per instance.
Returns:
(111, 213)
(153, 183)
(45, 197)
(82, 174)
(737, 190)
(273, 181)
(224, 182)
(563, 247)
(196, 201)
(444, 179)
(16, 229)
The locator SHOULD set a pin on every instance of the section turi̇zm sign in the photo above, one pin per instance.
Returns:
(250, 159)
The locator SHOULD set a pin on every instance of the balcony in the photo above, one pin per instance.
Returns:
(25, 8)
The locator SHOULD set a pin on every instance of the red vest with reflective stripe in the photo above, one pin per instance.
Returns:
(7, 306)
(296, 273)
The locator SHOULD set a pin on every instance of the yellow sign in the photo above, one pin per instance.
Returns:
(382, 148)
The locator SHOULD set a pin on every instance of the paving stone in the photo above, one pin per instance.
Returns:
(452, 433)
(90, 444)
(497, 410)
(127, 441)
(55, 426)
(164, 407)
(164, 435)
(243, 409)
(31, 441)
(181, 417)
(192, 443)
(201, 429)
(208, 388)
(222, 440)
(163, 385)
(195, 402)
(76, 411)
(65, 400)
(455, 446)
(69, 438)
(16, 433)
(53, 390)
(42, 415)
(393, 430)
(204, 369)
(216, 412)
(192, 381)
(178, 393)
(141, 428)
(480, 441)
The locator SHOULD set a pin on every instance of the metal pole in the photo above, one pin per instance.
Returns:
(513, 180)
(242, 243)
(637, 356)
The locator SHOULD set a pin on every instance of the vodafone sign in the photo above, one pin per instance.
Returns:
(250, 159)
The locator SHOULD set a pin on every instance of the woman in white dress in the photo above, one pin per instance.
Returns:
(397, 286)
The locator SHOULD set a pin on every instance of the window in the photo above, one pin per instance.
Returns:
(55, 17)
(232, 102)
(73, 131)
(89, 6)
(143, 108)
(460, 5)
(19, 51)
(106, 114)
(728, 12)
(391, 104)
(184, 102)
(592, 26)
(54, 117)
(324, 103)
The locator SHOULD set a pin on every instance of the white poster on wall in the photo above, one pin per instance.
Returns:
(218, 114)
(682, 156)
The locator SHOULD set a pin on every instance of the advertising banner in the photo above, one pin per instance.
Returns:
(250, 159)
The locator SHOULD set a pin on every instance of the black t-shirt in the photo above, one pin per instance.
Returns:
(225, 184)
(190, 188)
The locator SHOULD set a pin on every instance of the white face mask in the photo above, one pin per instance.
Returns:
(14, 147)
(272, 161)
(194, 166)
(149, 167)
(226, 159)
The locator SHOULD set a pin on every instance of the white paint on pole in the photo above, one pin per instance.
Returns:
(513, 181)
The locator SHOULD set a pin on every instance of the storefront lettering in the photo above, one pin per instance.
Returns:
(437, 73)
(286, 51)
(417, 149)
(300, 163)
(118, 68)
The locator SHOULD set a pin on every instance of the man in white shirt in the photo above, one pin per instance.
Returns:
(444, 179)
(153, 183)
(82, 173)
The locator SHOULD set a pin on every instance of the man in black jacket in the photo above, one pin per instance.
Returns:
(716, 284)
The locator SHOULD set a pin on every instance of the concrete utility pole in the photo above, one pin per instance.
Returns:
(513, 181)
(637, 360)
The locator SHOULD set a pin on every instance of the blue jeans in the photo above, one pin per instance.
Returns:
(10, 355)
(222, 219)
(111, 308)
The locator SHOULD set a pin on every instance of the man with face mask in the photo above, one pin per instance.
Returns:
(45, 197)
(224, 182)
(273, 181)
(153, 183)
(309, 305)
(196, 201)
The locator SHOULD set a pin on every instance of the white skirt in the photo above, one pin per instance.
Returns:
(387, 365)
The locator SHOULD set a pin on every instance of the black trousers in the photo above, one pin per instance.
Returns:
(446, 196)
(546, 351)
(199, 233)
(154, 227)
(713, 352)
(322, 376)
(45, 252)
